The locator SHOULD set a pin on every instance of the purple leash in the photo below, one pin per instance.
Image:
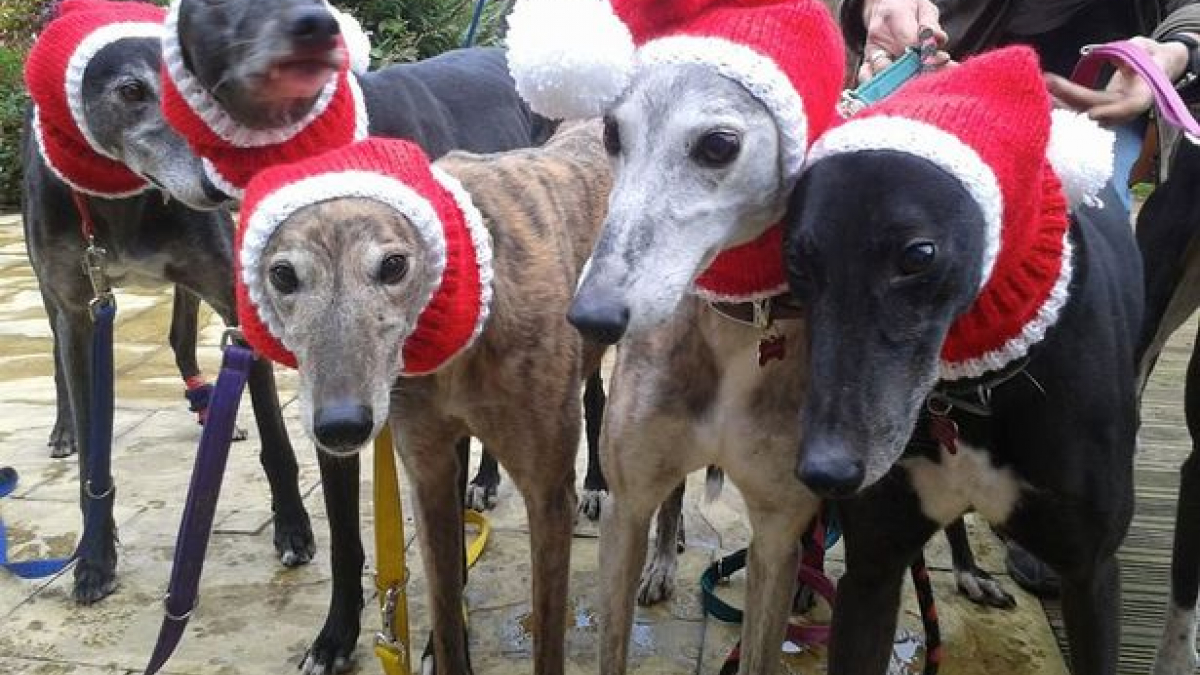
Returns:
(1170, 106)
(201, 506)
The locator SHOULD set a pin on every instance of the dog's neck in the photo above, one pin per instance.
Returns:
(1023, 299)
(233, 153)
(745, 273)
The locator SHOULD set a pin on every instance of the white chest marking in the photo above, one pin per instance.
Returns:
(1177, 651)
(962, 481)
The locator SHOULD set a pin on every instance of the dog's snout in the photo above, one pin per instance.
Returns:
(599, 318)
(343, 425)
(313, 26)
(829, 469)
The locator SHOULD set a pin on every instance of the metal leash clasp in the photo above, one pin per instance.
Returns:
(95, 266)
(386, 637)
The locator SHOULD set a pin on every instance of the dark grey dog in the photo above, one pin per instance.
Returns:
(148, 237)
(265, 63)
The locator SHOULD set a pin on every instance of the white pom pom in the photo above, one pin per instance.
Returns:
(1081, 153)
(358, 45)
(570, 59)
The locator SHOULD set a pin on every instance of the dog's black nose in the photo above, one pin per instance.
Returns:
(599, 318)
(313, 26)
(342, 426)
(829, 470)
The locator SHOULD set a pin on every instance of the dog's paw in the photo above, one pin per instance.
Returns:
(94, 581)
(982, 589)
(589, 504)
(333, 650)
(1177, 650)
(294, 541)
(658, 580)
(480, 497)
(62, 441)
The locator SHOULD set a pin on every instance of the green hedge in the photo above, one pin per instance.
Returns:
(402, 30)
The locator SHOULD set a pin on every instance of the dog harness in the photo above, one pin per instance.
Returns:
(54, 75)
(233, 153)
(457, 245)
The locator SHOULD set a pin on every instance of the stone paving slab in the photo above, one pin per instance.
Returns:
(257, 617)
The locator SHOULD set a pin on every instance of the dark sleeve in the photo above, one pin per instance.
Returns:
(1184, 17)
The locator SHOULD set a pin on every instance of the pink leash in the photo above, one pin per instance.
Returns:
(1170, 106)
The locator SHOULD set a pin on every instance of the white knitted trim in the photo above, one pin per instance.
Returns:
(760, 75)
(713, 296)
(481, 241)
(284, 202)
(40, 142)
(1033, 332)
(84, 52)
(209, 110)
(362, 119)
(219, 180)
(942, 148)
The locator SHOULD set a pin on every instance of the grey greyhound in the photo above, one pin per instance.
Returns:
(149, 238)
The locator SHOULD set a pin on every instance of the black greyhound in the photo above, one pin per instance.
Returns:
(1046, 454)
(265, 64)
(148, 238)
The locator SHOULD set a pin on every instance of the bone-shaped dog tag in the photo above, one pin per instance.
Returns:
(945, 431)
(771, 348)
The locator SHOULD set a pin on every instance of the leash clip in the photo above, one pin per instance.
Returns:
(95, 266)
(386, 637)
(232, 335)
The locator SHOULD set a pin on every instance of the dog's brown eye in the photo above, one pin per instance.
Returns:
(612, 137)
(283, 278)
(717, 148)
(392, 269)
(917, 257)
(133, 91)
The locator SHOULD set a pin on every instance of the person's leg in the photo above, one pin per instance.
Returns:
(1128, 148)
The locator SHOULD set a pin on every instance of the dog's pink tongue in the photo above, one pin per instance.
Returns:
(299, 79)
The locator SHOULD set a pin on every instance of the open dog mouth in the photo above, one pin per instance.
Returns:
(301, 76)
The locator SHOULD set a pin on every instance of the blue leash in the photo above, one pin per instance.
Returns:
(98, 488)
(476, 16)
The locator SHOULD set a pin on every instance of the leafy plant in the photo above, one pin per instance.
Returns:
(18, 24)
(410, 30)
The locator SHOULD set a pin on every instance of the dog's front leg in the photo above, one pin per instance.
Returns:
(883, 530)
(333, 649)
(96, 571)
(770, 576)
(1091, 602)
(294, 543)
(62, 436)
(432, 464)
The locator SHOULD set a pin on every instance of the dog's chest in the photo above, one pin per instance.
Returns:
(957, 482)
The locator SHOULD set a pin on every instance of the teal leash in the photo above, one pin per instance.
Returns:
(888, 80)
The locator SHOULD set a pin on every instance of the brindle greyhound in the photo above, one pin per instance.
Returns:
(264, 62)
(324, 290)
(149, 239)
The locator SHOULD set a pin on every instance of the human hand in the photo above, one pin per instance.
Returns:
(892, 27)
(1127, 96)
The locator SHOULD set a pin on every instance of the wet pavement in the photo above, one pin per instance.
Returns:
(256, 617)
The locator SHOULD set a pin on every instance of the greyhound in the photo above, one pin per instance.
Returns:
(1046, 453)
(1166, 232)
(332, 268)
(149, 238)
(265, 64)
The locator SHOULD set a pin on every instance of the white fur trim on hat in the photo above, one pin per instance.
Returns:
(210, 111)
(358, 44)
(942, 148)
(285, 201)
(84, 53)
(40, 143)
(760, 75)
(218, 179)
(1081, 153)
(1033, 332)
(570, 59)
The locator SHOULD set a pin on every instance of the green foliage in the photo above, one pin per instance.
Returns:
(409, 30)
(18, 20)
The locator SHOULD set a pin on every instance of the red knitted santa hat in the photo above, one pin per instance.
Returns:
(989, 124)
(54, 76)
(233, 153)
(574, 58)
(456, 296)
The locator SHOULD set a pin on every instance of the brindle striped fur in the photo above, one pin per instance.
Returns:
(516, 388)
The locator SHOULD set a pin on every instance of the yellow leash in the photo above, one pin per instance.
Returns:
(391, 574)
